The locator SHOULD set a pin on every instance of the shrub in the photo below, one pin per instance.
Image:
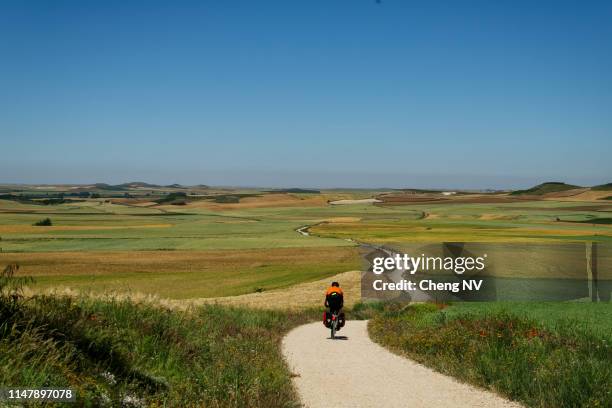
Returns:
(43, 223)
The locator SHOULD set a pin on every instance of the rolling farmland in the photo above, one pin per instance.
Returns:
(219, 243)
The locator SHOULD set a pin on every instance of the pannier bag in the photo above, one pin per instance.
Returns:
(327, 319)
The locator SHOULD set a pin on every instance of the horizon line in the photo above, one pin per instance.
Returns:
(229, 186)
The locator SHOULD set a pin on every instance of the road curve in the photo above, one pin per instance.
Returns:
(356, 372)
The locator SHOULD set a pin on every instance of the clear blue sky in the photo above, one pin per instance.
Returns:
(457, 94)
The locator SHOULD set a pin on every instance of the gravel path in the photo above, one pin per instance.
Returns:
(356, 372)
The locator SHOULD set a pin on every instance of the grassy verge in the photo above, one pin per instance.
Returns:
(543, 354)
(116, 353)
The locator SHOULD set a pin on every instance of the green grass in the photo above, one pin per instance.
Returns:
(112, 350)
(541, 354)
(109, 350)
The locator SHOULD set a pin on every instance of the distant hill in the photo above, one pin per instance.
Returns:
(141, 184)
(417, 190)
(295, 191)
(603, 187)
(137, 184)
(545, 188)
(124, 186)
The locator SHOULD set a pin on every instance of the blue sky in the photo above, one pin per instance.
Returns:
(449, 94)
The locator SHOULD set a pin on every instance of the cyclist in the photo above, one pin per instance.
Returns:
(334, 300)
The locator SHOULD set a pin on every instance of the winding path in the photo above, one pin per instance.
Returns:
(356, 372)
(353, 371)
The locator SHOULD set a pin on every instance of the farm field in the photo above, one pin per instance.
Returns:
(183, 274)
(181, 244)
(531, 221)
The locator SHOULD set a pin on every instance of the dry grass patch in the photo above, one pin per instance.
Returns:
(264, 201)
(301, 296)
(587, 195)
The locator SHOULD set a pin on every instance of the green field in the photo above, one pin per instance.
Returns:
(111, 227)
(541, 354)
(503, 222)
(183, 274)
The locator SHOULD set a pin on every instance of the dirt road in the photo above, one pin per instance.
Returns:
(356, 372)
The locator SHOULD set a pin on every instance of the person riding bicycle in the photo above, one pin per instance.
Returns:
(334, 297)
(334, 300)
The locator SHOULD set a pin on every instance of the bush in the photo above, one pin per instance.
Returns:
(43, 223)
